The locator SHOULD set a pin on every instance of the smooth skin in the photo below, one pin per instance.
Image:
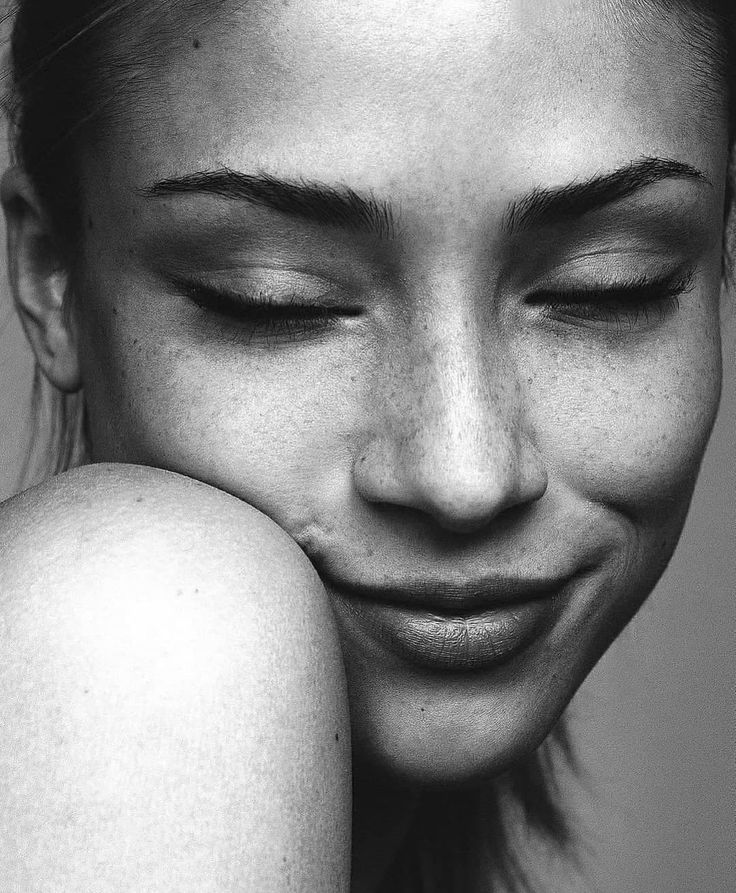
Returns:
(452, 423)
(174, 711)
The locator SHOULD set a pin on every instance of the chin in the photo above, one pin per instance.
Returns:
(451, 732)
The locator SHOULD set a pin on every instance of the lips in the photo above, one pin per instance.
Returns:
(457, 598)
(452, 626)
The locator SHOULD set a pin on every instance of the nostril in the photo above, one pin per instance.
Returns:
(471, 506)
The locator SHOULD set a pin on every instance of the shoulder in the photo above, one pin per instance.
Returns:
(116, 508)
(106, 557)
(168, 660)
(145, 525)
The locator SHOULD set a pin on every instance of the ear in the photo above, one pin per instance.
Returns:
(39, 280)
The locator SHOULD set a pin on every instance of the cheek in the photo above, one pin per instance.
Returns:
(270, 426)
(628, 428)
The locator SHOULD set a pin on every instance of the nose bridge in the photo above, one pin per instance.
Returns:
(464, 394)
(462, 398)
(452, 442)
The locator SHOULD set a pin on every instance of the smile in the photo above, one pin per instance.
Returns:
(445, 627)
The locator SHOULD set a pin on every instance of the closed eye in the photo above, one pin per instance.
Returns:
(640, 300)
(262, 314)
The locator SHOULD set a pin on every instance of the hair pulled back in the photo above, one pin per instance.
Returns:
(57, 49)
(71, 61)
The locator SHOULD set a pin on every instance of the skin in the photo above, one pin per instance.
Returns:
(171, 720)
(453, 428)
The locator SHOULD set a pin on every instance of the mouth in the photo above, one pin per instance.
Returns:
(445, 626)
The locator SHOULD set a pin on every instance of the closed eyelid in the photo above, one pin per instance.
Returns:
(256, 281)
(639, 285)
(624, 272)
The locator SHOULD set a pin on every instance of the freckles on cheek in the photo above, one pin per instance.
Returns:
(634, 438)
(255, 427)
(159, 401)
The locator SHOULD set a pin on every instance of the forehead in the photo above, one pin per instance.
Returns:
(410, 93)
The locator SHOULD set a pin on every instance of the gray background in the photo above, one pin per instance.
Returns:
(655, 722)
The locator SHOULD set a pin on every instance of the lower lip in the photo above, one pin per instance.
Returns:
(450, 642)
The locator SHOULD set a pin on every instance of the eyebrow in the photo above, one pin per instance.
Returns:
(544, 207)
(342, 206)
(338, 206)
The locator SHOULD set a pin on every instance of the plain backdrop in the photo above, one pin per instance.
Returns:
(655, 723)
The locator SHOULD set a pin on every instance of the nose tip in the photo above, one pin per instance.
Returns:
(462, 492)
(461, 499)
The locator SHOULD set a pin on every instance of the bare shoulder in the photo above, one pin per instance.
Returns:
(102, 513)
(104, 559)
(171, 679)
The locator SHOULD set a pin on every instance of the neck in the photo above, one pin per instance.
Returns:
(382, 819)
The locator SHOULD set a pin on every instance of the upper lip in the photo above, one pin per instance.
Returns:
(454, 597)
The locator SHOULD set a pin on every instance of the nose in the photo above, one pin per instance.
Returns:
(450, 437)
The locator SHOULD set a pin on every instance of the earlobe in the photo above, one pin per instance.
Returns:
(39, 280)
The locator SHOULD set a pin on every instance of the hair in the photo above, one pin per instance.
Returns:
(69, 61)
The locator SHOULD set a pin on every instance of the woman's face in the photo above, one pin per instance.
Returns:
(491, 232)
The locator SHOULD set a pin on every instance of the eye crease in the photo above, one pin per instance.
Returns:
(643, 299)
(264, 316)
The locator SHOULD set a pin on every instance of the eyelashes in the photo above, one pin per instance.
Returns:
(288, 315)
(640, 301)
